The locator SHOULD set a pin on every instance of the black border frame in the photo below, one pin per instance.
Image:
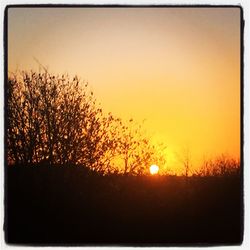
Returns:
(5, 63)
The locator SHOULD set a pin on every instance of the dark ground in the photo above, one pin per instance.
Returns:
(69, 205)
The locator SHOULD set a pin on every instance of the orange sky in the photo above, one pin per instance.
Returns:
(178, 68)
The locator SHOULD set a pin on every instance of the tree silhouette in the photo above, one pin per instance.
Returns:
(23, 121)
(185, 159)
(135, 150)
(55, 120)
(221, 165)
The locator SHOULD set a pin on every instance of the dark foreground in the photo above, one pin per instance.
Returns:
(63, 205)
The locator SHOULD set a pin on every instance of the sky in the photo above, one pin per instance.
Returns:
(176, 68)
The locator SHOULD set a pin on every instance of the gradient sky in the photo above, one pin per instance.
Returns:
(178, 68)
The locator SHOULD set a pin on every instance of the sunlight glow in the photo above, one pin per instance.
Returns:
(153, 169)
(186, 58)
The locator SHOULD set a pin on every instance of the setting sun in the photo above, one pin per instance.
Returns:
(123, 116)
(154, 169)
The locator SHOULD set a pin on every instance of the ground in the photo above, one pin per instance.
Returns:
(71, 205)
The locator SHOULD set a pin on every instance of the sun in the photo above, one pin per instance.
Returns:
(153, 169)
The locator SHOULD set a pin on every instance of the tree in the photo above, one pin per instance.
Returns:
(224, 165)
(221, 165)
(55, 120)
(23, 121)
(135, 150)
(185, 159)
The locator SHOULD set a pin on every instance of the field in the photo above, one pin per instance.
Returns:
(72, 205)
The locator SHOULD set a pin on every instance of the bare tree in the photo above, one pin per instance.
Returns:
(135, 150)
(185, 159)
(23, 121)
(54, 119)
(221, 165)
